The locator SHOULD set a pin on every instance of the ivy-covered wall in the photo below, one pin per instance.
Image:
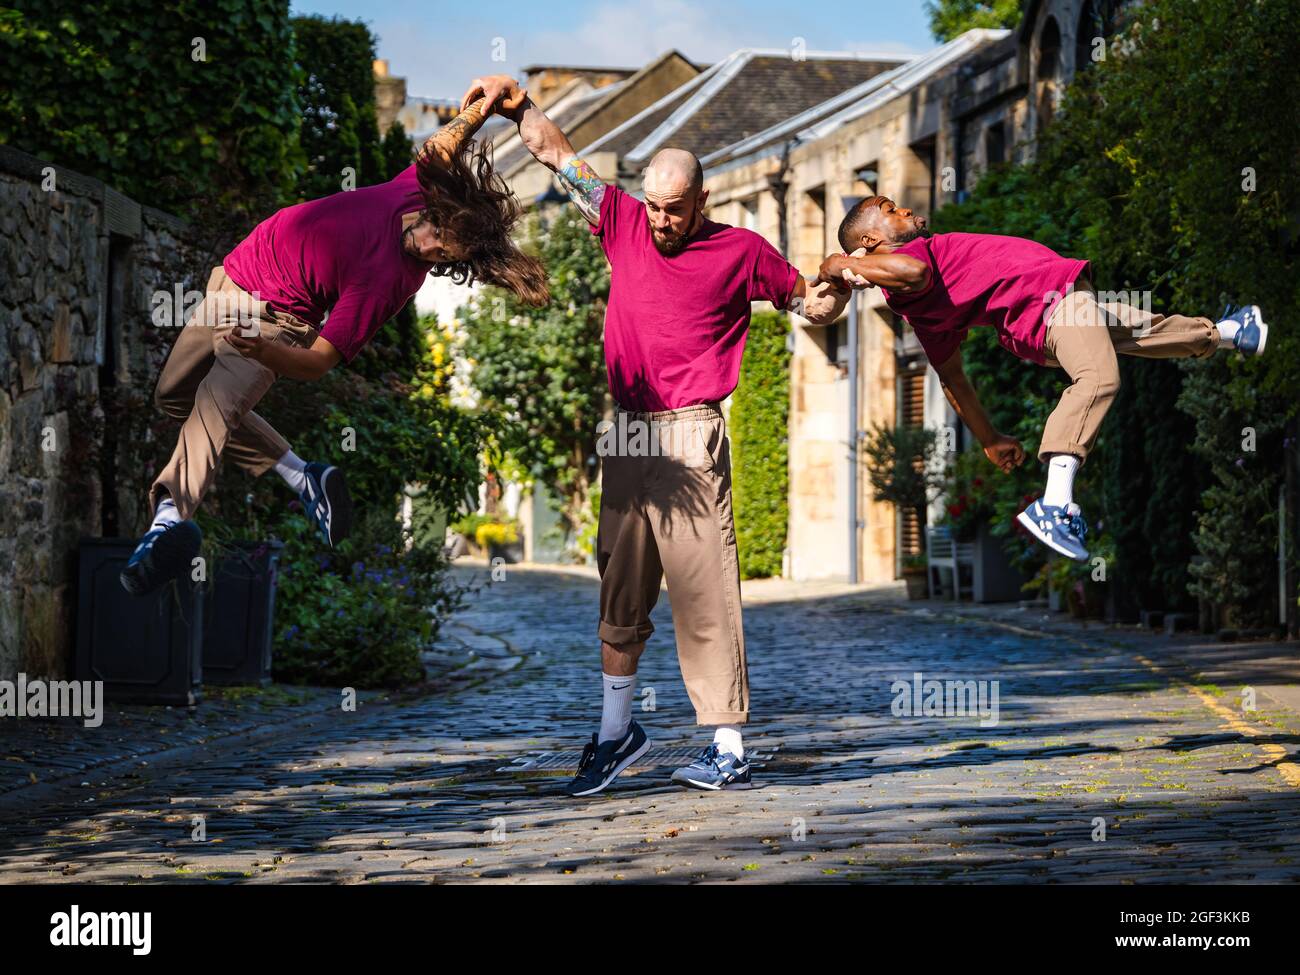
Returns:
(760, 410)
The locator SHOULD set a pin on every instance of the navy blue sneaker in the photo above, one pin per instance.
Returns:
(163, 554)
(327, 502)
(715, 770)
(1060, 529)
(602, 761)
(1252, 332)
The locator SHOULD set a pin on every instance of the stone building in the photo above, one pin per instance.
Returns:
(85, 275)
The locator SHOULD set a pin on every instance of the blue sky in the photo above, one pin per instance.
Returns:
(438, 46)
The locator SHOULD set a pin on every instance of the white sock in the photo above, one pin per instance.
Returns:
(1227, 332)
(293, 469)
(616, 709)
(166, 515)
(1060, 480)
(727, 738)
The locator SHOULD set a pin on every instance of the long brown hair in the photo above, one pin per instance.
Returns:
(468, 200)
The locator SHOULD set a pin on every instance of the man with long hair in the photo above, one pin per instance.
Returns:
(308, 288)
(681, 288)
(1044, 310)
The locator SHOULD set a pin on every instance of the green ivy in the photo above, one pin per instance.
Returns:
(760, 411)
(121, 90)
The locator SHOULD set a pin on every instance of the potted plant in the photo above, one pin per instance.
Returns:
(501, 540)
(464, 540)
(915, 570)
(905, 468)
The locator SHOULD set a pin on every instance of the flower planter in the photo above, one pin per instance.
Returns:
(237, 634)
(146, 649)
(917, 587)
(511, 553)
(994, 578)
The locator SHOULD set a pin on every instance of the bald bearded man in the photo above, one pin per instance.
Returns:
(675, 326)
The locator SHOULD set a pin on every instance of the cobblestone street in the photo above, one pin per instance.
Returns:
(1137, 735)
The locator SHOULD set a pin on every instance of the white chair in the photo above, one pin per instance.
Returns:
(944, 553)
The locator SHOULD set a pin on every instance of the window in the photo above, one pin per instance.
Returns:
(911, 413)
(1049, 68)
(995, 144)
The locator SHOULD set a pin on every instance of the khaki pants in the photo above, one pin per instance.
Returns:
(1083, 338)
(213, 388)
(670, 516)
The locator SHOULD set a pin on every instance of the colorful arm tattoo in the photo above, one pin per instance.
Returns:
(584, 187)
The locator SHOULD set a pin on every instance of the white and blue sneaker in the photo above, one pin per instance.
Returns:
(714, 770)
(162, 555)
(1060, 529)
(1251, 331)
(602, 761)
(327, 502)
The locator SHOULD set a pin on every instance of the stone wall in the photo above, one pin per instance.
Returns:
(80, 266)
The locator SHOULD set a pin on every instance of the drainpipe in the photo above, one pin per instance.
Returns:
(853, 437)
(855, 524)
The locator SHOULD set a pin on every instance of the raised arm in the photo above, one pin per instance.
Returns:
(446, 142)
(545, 141)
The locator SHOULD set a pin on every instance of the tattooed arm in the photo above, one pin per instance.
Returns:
(476, 106)
(546, 142)
(446, 142)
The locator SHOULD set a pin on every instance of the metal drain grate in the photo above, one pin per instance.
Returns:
(672, 755)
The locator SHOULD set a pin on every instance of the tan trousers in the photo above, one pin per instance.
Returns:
(1084, 336)
(665, 511)
(213, 388)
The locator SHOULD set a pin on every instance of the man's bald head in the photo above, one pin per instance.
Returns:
(674, 199)
(674, 172)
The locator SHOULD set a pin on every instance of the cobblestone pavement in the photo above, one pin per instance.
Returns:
(1095, 731)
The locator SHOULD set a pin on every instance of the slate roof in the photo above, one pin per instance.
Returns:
(741, 95)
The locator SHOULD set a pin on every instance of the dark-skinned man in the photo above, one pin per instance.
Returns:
(1044, 310)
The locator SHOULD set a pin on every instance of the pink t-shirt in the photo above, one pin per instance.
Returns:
(340, 255)
(675, 326)
(984, 279)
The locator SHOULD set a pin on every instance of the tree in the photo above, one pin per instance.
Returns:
(952, 18)
(543, 369)
(904, 466)
(340, 130)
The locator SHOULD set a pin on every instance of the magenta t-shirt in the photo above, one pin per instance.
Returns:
(675, 326)
(984, 279)
(340, 255)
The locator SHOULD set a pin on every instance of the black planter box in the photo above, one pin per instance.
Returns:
(146, 649)
(511, 553)
(238, 628)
